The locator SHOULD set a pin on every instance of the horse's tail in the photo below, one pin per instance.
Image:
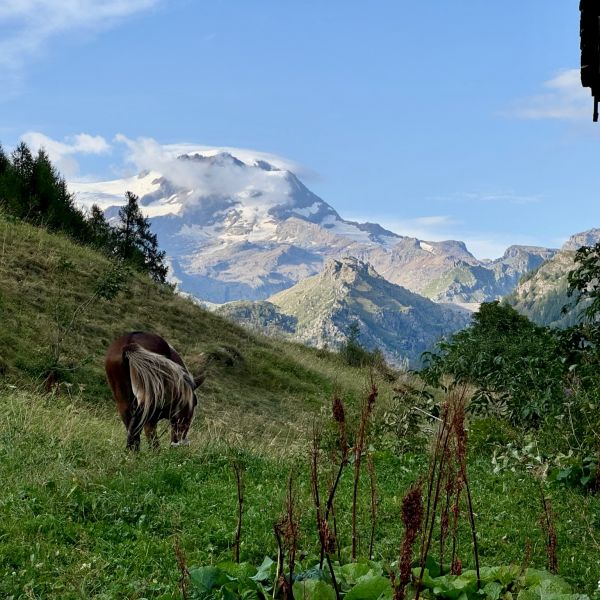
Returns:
(157, 381)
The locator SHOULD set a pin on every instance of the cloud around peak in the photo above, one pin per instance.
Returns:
(131, 156)
(144, 152)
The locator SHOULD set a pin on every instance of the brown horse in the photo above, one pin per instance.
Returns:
(149, 382)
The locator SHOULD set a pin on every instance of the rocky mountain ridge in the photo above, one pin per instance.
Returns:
(542, 293)
(319, 310)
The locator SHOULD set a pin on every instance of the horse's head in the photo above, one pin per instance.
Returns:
(182, 425)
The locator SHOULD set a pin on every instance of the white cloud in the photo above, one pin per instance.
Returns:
(564, 98)
(146, 154)
(254, 190)
(62, 153)
(147, 149)
(28, 26)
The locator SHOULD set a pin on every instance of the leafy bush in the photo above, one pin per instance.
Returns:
(516, 367)
(488, 433)
(407, 420)
(367, 580)
(501, 582)
(576, 472)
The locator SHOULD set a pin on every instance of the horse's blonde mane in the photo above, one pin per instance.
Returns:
(158, 382)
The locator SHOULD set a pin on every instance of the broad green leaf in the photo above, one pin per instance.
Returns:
(492, 590)
(265, 571)
(226, 594)
(433, 566)
(207, 578)
(528, 595)
(351, 572)
(237, 570)
(313, 589)
(369, 588)
(550, 582)
(314, 572)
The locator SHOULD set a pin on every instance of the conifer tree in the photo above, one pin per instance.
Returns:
(4, 162)
(5, 172)
(22, 165)
(136, 243)
(51, 203)
(101, 233)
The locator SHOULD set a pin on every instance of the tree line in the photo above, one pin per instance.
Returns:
(32, 189)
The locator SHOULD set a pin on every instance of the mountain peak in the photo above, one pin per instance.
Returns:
(348, 266)
(220, 159)
(584, 238)
(266, 166)
(240, 225)
(400, 323)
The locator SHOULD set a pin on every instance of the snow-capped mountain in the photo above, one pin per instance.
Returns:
(246, 229)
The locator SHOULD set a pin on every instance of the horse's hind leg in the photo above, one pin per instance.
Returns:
(134, 429)
(151, 436)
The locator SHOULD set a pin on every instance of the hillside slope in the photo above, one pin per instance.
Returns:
(47, 287)
(81, 518)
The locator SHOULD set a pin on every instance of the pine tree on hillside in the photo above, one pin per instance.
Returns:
(4, 162)
(33, 190)
(5, 173)
(52, 203)
(20, 201)
(136, 243)
(101, 233)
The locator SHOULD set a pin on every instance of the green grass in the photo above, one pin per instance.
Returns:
(44, 278)
(81, 518)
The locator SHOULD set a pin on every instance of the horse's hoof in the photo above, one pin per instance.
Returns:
(180, 443)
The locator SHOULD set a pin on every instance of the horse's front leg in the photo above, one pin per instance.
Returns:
(134, 429)
(151, 435)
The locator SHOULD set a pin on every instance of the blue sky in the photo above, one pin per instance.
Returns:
(456, 119)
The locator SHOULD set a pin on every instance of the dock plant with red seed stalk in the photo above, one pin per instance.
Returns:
(448, 477)
(359, 448)
(327, 540)
(412, 519)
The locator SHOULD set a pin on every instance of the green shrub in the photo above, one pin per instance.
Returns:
(513, 364)
(488, 433)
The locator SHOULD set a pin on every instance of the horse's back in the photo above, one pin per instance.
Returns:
(117, 369)
(149, 341)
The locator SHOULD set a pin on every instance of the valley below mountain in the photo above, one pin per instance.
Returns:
(249, 239)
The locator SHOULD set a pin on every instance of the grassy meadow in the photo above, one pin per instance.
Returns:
(82, 518)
